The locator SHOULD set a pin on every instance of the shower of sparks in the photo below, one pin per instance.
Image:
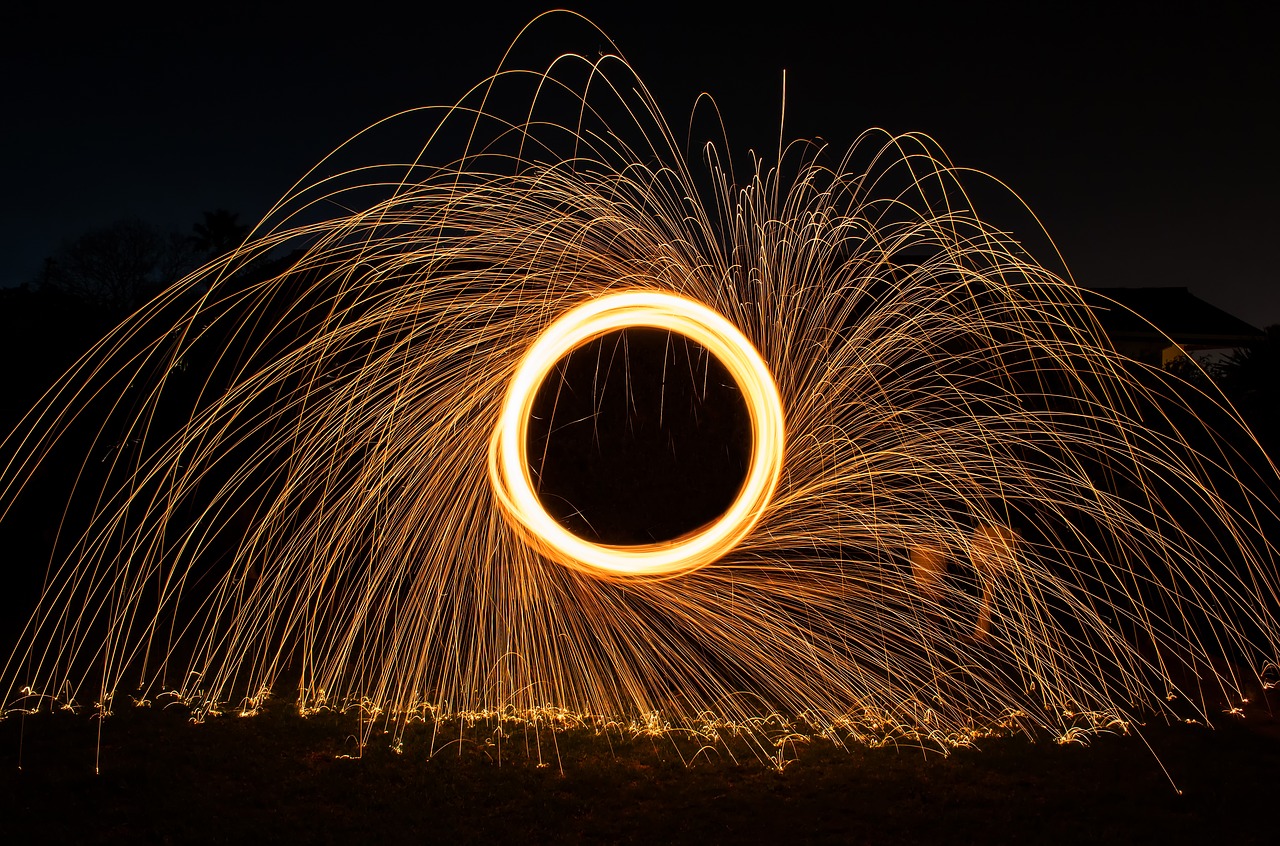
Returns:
(983, 517)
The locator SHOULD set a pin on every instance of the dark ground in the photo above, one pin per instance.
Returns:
(278, 778)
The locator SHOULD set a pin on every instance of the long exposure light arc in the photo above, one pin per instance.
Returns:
(985, 519)
(508, 455)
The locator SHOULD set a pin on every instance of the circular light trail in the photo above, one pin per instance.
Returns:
(508, 450)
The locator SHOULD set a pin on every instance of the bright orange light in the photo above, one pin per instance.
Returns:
(509, 460)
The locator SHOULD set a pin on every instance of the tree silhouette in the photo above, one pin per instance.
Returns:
(116, 267)
(219, 233)
(1253, 371)
(1250, 377)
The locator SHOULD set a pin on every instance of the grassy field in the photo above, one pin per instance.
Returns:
(279, 778)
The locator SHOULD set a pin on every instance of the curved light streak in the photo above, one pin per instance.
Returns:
(508, 454)
(985, 518)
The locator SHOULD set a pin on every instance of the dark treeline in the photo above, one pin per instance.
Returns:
(86, 288)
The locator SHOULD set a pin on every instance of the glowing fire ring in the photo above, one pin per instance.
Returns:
(509, 460)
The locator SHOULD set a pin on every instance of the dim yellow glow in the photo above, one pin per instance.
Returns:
(509, 462)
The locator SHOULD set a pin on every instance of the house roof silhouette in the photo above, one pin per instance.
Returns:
(1160, 325)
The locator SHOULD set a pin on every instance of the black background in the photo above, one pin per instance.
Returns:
(1141, 138)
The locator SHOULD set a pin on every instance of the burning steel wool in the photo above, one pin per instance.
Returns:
(310, 468)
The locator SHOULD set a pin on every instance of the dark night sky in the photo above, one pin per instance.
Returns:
(1144, 143)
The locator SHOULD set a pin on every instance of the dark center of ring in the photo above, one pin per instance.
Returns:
(638, 436)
